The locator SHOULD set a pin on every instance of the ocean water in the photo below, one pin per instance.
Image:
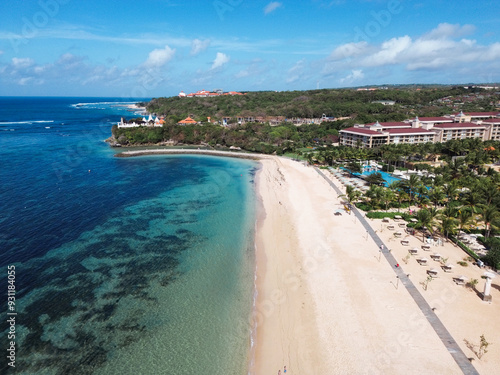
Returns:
(123, 265)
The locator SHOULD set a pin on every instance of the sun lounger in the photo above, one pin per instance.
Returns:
(385, 220)
(422, 261)
(432, 272)
(402, 225)
(436, 256)
(426, 247)
(460, 280)
(447, 268)
(413, 250)
(405, 242)
(390, 227)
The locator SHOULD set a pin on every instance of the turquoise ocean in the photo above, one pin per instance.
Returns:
(123, 265)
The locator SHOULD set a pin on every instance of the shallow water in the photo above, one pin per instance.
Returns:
(123, 266)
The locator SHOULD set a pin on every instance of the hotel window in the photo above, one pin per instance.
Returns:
(412, 139)
(448, 136)
(396, 139)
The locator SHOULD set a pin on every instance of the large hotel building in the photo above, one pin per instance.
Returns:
(482, 125)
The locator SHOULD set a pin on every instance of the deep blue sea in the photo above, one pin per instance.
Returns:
(123, 265)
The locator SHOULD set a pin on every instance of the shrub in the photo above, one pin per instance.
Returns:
(365, 207)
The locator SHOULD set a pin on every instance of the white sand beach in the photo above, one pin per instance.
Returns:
(329, 303)
(326, 304)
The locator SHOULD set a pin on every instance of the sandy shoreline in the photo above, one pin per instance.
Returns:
(231, 154)
(326, 304)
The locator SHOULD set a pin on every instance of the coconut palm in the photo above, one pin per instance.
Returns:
(387, 198)
(411, 185)
(451, 191)
(490, 216)
(422, 195)
(351, 194)
(448, 225)
(464, 217)
(472, 200)
(450, 211)
(375, 178)
(424, 221)
(375, 194)
(354, 167)
(436, 195)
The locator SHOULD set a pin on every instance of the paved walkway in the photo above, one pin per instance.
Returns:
(445, 336)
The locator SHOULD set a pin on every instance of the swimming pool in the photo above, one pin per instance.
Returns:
(389, 178)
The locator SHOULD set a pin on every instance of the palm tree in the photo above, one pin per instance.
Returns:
(387, 198)
(436, 195)
(472, 200)
(375, 194)
(448, 225)
(451, 191)
(424, 221)
(375, 178)
(490, 215)
(464, 217)
(450, 211)
(411, 186)
(354, 167)
(422, 195)
(351, 194)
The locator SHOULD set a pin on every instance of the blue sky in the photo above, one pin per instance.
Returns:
(160, 47)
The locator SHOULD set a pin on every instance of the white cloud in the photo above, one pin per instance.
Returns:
(349, 50)
(242, 74)
(272, 6)
(19, 63)
(389, 52)
(446, 30)
(25, 80)
(355, 75)
(159, 57)
(198, 46)
(439, 49)
(220, 60)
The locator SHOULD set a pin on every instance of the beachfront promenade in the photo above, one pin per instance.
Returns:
(450, 343)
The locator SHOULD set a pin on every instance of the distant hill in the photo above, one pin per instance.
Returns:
(409, 100)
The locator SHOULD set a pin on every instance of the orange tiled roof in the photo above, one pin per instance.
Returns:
(187, 120)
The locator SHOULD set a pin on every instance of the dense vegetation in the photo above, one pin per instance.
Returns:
(355, 106)
(458, 191)
(457, 196)
(315, 103)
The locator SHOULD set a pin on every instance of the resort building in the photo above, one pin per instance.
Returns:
(207, 94)
(493, 125)
(463, 130)
(150, 121)
(378, 134)
(486, 126)
(187, 121)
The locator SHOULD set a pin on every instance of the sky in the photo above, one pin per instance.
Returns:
(155, 48)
